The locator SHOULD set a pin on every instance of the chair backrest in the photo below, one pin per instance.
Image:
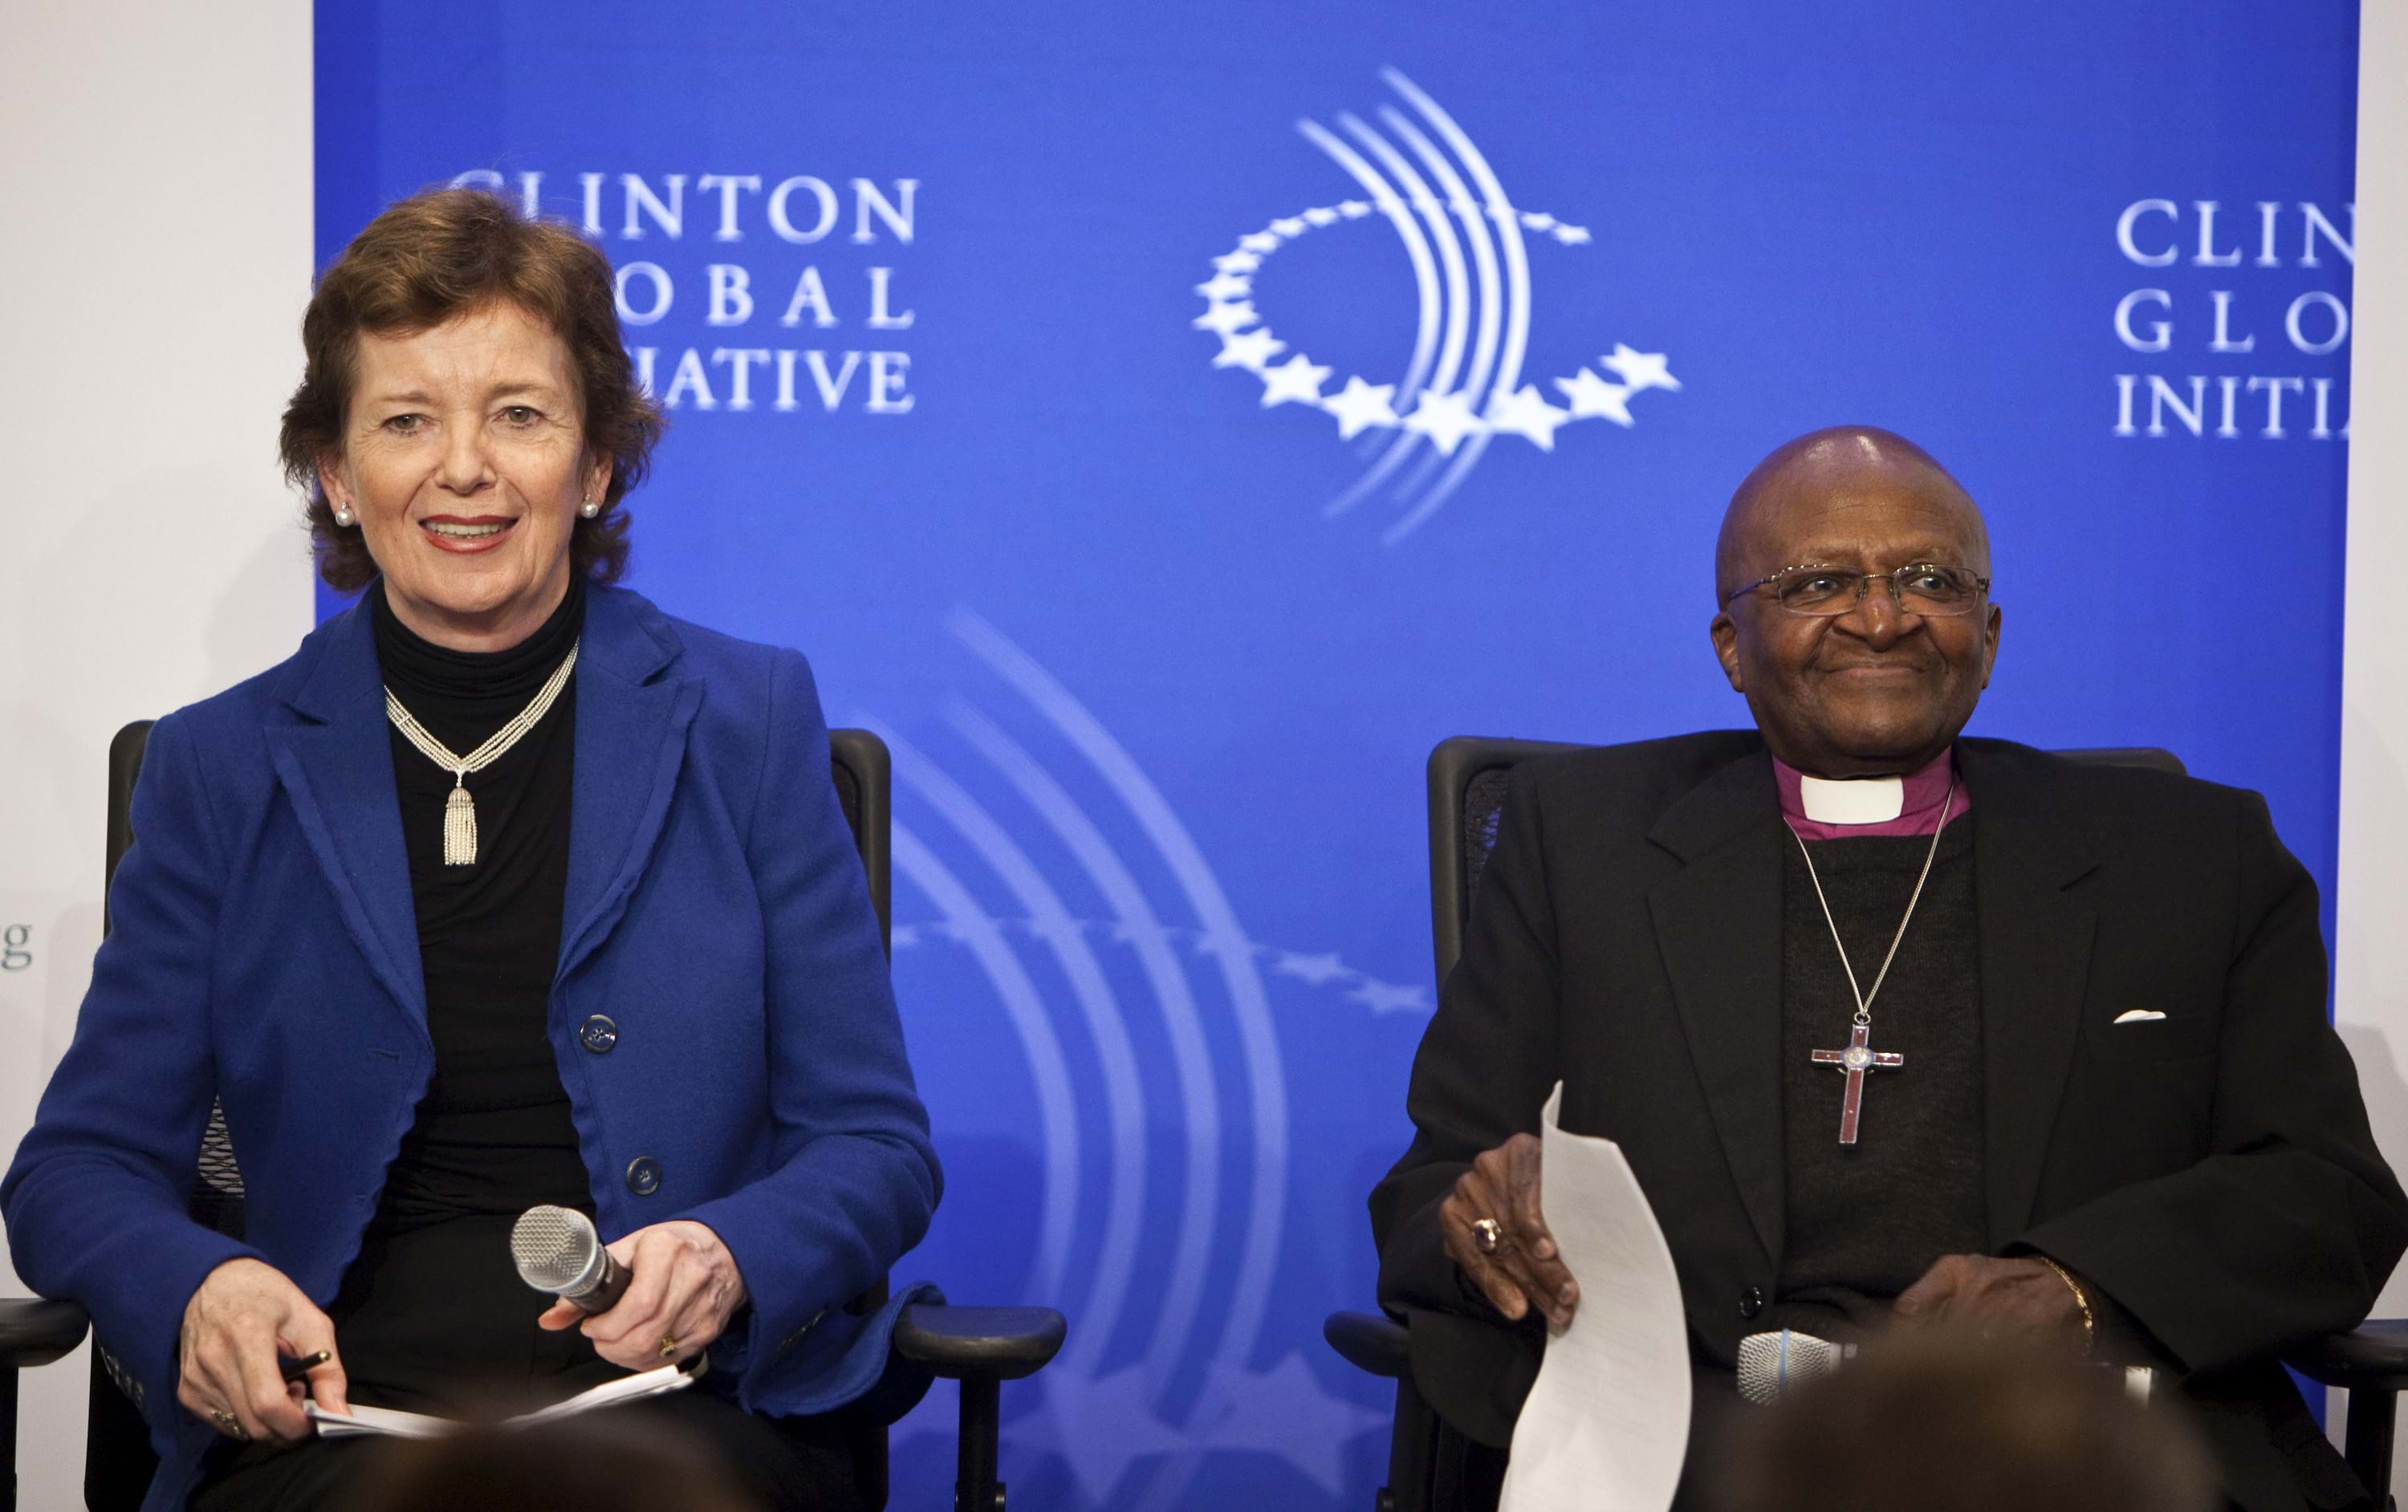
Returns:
(1468, 778)
(118, 1462)
(1468, 775)
(864, 776)
(865, 785)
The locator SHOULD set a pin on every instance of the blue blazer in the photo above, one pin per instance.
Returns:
(264, 951)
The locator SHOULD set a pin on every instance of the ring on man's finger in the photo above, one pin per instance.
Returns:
(1487, 1235)
(229, 1424)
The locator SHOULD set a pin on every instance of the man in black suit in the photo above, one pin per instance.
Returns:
(1896, 1027)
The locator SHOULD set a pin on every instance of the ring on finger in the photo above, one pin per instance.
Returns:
(669, 1346)
(229, 1424)
(1487, 1235)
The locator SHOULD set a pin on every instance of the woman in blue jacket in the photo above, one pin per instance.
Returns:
(506, 889)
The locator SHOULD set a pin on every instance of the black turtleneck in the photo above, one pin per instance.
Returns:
(493, 1133)
(432, 1314)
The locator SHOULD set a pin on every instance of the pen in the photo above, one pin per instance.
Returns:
(296, 1369)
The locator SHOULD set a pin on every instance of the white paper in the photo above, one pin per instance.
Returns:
(1606, 1424)
(385, 1420)
(393, 1423)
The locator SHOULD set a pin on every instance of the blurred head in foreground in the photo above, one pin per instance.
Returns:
(1945, 1423)
(580, 1462)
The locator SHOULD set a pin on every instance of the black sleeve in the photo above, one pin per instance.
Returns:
(2116, 1337)
(1484, 1066)
(2288, 1228)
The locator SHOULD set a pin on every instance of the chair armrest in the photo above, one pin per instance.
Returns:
(1372, 1342)
(34, 1331)
(1001, 1344)
(2372, 1355)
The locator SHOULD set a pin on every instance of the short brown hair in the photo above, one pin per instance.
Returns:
(429, 260)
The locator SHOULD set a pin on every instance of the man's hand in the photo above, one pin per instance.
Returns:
(240, 1316)
(683, 1287)
(1524, 1271)
(1997, 1297)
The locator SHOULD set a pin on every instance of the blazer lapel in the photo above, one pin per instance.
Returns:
(1718, 927)
(2036, 938)
(335, 765)
(633, 711)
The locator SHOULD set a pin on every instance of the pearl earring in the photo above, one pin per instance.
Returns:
(344, 517)
(589, 508)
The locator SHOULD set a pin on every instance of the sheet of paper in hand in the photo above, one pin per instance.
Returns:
(1607, 1425)
(393, 1423)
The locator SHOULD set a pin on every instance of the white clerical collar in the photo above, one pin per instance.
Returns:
(1864, 800)
(1821, 808)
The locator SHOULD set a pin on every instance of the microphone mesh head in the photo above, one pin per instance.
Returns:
(1771, 1364)
(555, 1250)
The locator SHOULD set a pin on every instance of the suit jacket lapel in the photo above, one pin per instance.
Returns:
(1718, 927)
(2036, 938)
(633, 711)
(335, 764)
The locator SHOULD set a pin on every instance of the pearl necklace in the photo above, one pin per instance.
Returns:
(460, 810)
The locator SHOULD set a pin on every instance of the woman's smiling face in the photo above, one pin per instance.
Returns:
(465, 460)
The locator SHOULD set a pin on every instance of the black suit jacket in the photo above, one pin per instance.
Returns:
(2212, 1172)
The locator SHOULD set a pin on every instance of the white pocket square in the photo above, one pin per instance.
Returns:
(2139, 1016)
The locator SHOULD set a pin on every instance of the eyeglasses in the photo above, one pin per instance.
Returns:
(1919, 589)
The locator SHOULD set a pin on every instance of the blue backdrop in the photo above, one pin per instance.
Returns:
(1164, 423)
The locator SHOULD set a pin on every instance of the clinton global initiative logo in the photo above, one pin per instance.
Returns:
(1423, 429)
(757, 293)
(2249, 311)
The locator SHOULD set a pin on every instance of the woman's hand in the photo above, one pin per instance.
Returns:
(683, 1286)
(1515, 1266)
(240, 1317)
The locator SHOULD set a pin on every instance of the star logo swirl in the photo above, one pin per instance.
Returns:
(1415, 172)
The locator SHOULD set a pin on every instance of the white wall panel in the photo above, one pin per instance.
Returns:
(2371, 925)
(155, 193)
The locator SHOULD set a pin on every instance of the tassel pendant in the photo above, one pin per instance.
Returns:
(459, 828)
(460, 810)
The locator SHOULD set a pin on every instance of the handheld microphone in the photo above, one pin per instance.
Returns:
(557, 1251)
(1772, 1364)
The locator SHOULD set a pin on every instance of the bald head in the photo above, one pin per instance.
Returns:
(1818, 470)
(1879, 681)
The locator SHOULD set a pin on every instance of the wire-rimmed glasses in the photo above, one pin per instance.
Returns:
(1919, 587)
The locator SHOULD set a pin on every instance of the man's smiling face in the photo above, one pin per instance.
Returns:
(1880, 688)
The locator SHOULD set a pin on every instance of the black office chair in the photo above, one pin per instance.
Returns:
(1434, 1468)
(980, 1346)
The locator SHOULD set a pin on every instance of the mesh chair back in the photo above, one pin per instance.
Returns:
(1467, 779)
(118, 1462)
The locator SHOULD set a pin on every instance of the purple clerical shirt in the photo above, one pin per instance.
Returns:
(1927, 791)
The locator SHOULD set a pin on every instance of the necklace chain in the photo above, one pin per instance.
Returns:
(1864, 999)
(460, 810)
